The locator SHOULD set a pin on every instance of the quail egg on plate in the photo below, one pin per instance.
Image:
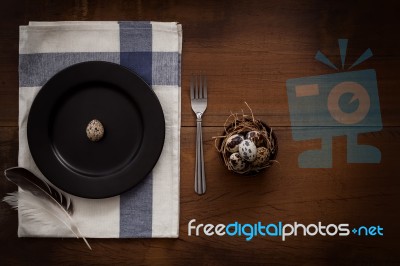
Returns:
(95, 130)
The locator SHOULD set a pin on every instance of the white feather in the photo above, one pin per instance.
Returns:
(42, 211)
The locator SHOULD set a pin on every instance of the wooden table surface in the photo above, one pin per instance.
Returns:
(248, 50)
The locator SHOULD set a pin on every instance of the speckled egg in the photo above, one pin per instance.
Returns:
(262, 157)
(232, 143)
(255, 136)
(248, 150)
(236, 162)
(95, 130)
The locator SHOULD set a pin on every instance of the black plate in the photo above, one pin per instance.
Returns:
(133, 121)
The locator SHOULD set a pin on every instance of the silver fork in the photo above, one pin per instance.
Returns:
(198, 96)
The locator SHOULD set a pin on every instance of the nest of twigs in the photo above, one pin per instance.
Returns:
(241, 125)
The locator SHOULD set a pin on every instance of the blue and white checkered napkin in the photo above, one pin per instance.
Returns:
(152, 50)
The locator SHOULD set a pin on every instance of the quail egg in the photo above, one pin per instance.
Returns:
(95, 130)
(232, 143)
(255, 136)
(248, 150)
(262, 157)
(236, 162)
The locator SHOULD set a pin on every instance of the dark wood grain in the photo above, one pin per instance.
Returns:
(248, 50)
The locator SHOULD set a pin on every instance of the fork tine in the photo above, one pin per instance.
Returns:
(196, 93)
(205, 87)
(201, 87)
(191, 88)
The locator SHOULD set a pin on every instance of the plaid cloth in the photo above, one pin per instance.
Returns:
(153, 51)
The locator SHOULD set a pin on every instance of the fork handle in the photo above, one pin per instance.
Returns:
(200, 178)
